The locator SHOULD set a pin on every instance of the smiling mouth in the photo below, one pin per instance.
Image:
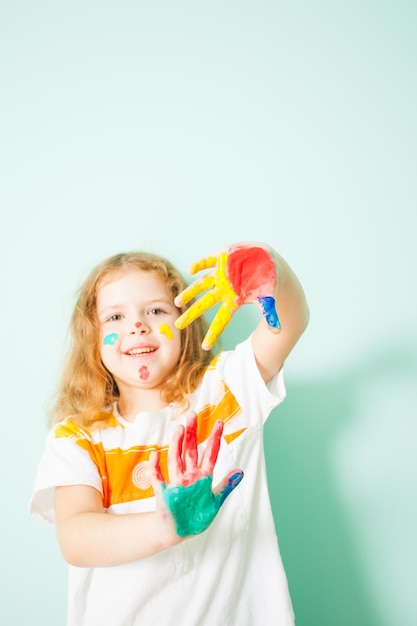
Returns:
(140, 351)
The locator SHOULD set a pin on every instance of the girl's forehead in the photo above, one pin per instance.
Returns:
(132, 282)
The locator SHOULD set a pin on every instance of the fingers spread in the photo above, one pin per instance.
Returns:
(203, 264)
(175, 458)
(193, 290)
(226, 486)
(198, 308)
(219, 323)
(211, 451)
(157, 478)
(191, 451)
(154, 467)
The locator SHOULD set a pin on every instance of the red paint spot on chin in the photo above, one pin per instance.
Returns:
(144, 373)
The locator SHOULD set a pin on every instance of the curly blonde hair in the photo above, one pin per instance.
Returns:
(87, 389)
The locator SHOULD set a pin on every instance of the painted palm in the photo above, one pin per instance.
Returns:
(243, 274)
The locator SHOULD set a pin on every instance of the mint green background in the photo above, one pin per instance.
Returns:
(180, 127)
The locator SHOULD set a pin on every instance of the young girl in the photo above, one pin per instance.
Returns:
(153, 433)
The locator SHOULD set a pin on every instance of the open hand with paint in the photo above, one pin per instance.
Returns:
(244, 273)
(188, 496)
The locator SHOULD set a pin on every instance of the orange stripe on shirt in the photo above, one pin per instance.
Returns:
(226, 409)
(125, 474)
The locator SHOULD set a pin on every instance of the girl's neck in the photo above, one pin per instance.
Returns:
(129, 405)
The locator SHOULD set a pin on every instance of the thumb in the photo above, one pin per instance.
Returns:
(226, 486)
(157, 478)
(269, 312)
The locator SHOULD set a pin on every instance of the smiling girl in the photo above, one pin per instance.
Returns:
(147, 420)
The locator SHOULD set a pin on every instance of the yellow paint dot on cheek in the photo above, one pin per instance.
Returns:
(164, 329)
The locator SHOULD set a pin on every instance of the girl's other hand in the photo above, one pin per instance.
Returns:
(188, 497)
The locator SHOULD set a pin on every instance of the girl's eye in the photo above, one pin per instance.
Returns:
(155, 311)
(114, 318)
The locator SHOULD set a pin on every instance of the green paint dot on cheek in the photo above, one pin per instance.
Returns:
(110, 339)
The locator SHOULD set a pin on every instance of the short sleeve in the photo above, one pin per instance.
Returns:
(246, 383)
(63, 463)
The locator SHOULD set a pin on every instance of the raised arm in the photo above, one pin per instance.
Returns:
(271, 348)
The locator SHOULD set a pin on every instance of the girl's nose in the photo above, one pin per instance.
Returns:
(138, 326)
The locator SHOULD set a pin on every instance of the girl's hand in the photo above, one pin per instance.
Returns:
(188, 496)
(244, 273)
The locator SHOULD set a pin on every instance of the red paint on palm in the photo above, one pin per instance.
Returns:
(191, 452)
(251, 273)
(215, 445)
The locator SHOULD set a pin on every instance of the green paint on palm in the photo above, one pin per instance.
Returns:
(194, 507)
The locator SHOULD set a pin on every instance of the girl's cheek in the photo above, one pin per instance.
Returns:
(166, 330)
(110, 340)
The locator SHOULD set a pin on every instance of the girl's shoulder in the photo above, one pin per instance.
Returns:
(75, 427)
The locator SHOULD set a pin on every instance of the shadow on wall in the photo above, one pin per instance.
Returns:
(338, 432)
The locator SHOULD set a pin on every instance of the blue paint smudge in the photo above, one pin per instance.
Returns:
(268, 309)
(233, 482)
(110, 339)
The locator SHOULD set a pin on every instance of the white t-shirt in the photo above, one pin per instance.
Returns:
(230, 575)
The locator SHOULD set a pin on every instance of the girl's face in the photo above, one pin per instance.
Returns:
(140, 345)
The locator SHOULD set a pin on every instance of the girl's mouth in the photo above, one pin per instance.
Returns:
(140, 351)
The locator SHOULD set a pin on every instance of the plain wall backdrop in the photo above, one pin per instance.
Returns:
(180, 127)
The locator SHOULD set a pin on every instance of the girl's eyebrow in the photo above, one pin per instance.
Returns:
(159, 301)
(118, 307)
(110, 307)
